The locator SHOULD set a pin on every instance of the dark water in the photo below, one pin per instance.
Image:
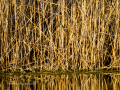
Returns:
(67, 81)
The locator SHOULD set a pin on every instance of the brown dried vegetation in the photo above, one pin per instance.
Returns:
(31, 38)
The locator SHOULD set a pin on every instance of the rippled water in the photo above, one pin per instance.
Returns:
(71, 81)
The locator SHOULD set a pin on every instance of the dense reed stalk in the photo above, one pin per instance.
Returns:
(31, 38)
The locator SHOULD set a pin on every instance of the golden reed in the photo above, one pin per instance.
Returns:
(31, 38)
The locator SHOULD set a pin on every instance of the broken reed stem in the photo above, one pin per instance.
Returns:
(31, 36)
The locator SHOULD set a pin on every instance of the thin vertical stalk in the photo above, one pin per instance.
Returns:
(51, 31)
(62, 31)
(72, 30)
(103, 29)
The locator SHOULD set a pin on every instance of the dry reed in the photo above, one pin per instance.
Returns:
(31, 38)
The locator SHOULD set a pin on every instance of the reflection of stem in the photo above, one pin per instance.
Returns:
(115, 78)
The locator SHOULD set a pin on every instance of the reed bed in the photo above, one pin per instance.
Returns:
(31, 38)
(106, 81)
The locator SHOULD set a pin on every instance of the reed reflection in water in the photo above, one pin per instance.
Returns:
(61, 82)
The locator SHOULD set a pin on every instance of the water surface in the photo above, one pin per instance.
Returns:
(64, 81)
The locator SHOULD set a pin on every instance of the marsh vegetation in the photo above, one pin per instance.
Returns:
(32, 40)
